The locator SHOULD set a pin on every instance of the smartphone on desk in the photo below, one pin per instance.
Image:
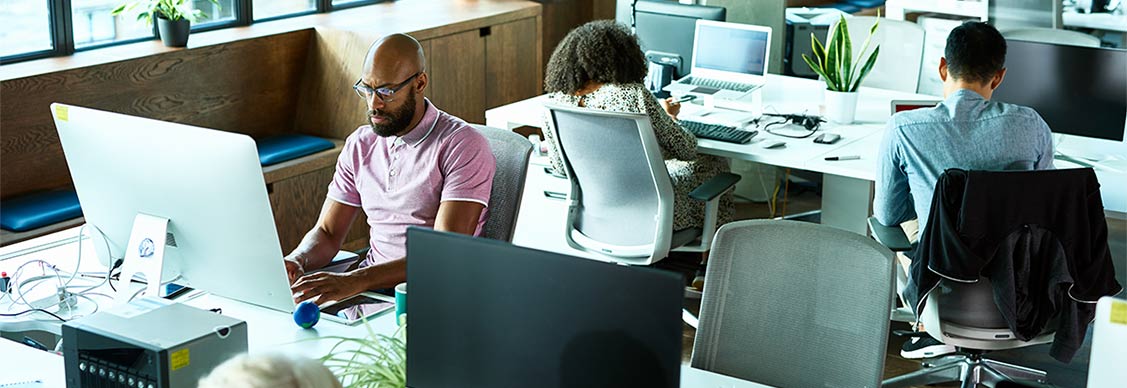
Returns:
(357, 308)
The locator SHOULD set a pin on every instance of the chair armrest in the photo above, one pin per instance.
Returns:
(892, 237)
(712, 188)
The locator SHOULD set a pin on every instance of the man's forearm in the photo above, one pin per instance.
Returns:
(316, 250)
(383, 275)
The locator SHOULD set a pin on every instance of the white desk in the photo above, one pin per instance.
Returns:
(845, 197)
(847, 185)
(268, 330)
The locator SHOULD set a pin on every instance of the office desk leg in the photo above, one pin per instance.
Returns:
(846, 203)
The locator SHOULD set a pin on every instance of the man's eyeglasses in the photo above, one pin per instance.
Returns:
(385, 93)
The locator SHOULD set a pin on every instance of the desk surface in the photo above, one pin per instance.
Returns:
(269, 330)
(783, 94)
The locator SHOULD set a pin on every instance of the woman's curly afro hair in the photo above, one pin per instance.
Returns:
(601, 51)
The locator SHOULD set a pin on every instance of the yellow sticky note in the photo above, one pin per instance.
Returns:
(1119, 312)
(180, 359)
(62, 112)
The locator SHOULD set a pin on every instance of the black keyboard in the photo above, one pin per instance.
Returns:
(719, 132)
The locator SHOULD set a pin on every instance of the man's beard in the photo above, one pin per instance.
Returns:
(398, 119)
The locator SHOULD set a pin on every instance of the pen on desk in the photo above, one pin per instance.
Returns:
(849, 157)
(688, 97)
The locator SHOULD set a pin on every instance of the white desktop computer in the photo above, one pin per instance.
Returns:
(202, 188)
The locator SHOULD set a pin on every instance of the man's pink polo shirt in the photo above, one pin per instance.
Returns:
(400, 181)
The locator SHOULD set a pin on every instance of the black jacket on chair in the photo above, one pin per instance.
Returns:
(1040, 238)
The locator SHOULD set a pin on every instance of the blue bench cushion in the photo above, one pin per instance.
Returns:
(843, 7)
(278, 149)
(31, 211)
(865, 3)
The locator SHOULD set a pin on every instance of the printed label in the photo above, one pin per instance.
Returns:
(62, 112)
(1119, 312)
(180, 359)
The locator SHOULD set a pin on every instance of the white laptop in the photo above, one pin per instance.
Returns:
(729, 61)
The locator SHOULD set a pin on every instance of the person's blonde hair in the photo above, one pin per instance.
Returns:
(272, 370)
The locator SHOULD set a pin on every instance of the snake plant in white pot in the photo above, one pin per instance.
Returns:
(834, 62)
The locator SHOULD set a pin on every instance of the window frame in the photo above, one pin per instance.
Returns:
(61, 26)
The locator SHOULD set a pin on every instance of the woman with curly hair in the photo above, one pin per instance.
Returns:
(600, 65)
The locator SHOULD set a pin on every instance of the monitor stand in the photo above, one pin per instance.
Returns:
(144, 254)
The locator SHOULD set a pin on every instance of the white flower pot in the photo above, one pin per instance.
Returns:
(841, 106)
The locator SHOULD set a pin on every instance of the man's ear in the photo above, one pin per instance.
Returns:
(943, 69)
(421, 82)
(1001, 74)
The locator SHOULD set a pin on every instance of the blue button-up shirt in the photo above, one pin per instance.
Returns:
(964, 131)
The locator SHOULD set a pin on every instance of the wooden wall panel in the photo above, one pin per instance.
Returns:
(328, 106)
(456, 65)
(297, 204)
(512, 63)
(247, 86)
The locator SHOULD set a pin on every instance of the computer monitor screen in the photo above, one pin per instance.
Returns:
(484, 313)
(1079, 91)
(666, 30)
(207, 183)
(732, 49)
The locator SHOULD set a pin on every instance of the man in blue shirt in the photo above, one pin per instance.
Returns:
(966, 131)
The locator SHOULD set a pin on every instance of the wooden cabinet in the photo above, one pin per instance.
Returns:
(472, 71)
(456, 66)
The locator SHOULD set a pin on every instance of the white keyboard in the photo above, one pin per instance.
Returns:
(719, 84)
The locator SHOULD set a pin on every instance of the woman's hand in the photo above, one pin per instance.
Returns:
(671, 107)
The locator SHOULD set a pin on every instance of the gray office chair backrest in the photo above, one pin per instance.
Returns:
(1055, 36)
(621, 202)
(795, 304)
(511, 151)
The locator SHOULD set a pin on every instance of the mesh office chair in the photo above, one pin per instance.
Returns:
(511, 151)
(795, 304)
(965, 314)
(1055, 36)
(901, 51)
(966, 318)
(621, 201)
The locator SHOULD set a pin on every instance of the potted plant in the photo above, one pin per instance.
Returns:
(834, 63)
(173, 17)
(377, 361)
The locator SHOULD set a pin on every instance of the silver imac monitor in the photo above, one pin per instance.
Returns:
(208, 184)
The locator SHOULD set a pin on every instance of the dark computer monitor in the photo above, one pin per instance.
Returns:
(1080, 91)
(484, 313)
(666, 30)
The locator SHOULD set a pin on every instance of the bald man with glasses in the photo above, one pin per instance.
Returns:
(412, 165)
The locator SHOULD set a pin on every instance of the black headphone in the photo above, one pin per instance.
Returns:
(810, 122)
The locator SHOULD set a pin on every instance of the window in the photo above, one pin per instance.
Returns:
(31, 29)
(25, 27)
(265, 9)
(221, 13)
(95, 26)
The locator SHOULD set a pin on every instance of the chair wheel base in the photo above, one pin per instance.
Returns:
(969, 370)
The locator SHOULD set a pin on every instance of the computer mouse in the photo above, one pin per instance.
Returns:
(827, 138)
(773, 143)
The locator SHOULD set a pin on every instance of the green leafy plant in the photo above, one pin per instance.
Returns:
(834, 62)
(377, 361)
(172, 10)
